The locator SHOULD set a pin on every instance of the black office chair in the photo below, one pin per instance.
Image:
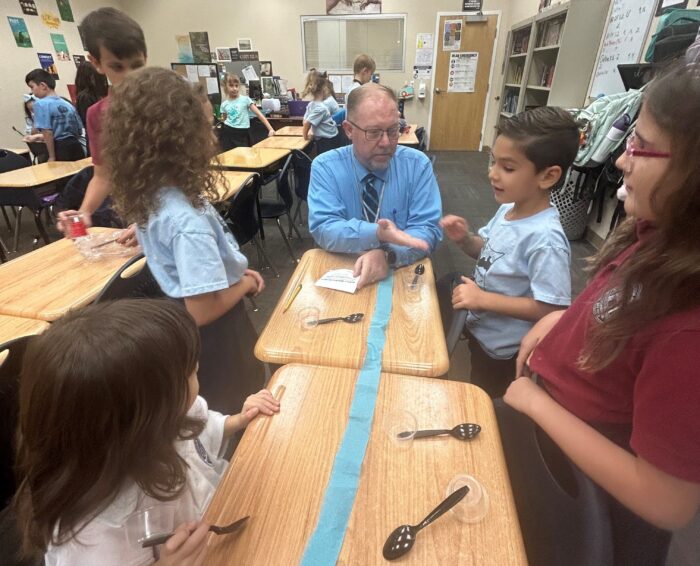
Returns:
(242, 218)
(563, 514)
(131, 282)
(276, 208)
(302, 176)
(422, 139)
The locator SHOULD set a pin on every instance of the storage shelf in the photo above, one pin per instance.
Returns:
(518, 55)
(546, 48)
(513, 85)
(543, 88)
(506, 114)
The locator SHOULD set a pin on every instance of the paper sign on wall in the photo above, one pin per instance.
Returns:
(452, 35)
(184, 49)
(422, 71)
(20, 32)
(462, 71)
(60, 47)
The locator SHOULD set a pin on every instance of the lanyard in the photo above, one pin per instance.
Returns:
(360, 189)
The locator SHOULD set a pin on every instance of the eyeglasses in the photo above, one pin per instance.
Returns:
(375, 134)
(631, 152)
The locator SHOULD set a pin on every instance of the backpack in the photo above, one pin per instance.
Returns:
(675, 33)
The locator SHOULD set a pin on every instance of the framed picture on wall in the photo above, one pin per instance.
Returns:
(335, 7)
(665, 5)
(268, 85)
(245, 44)
(223, 53)
(265, 68)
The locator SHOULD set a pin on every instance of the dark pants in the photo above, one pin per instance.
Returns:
(326, 144)
(231, 138)
(68, 149)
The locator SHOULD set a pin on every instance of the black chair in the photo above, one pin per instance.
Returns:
(276, 208)
(422, 139)
(454, 334)
(242, 218)
(39, 152)
(131, 282)
(301, 164)
(563, 514)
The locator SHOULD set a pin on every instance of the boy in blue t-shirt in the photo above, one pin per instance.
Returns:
(234, 112)
(56, 118)
(523, 257)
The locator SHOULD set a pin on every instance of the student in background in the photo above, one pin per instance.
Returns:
(523, 257)
(317, 118)
(620, 387)
(111, 424)
(234, 113)
(192, 254)
(91, 87)
(363, 68)
(116, 47)
(55, 118)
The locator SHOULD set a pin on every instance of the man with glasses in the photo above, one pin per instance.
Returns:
(371, 197)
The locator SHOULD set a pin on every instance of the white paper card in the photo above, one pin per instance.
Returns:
(249, 73)
(346, 82)
(339, 280)
(212, 85)
(192, 75)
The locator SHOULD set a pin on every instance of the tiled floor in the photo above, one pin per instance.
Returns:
(466, 192)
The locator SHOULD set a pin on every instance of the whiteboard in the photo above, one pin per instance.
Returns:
(624, 38)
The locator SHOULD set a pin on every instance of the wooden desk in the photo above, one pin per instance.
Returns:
(290, 131)
(12, 327)
(42, 174)
(410, 138)
(46, 283)
(284, 142)
(281, 468)
(256, 159)
(415, 340)
(236, 180)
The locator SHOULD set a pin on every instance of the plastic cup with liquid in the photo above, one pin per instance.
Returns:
(400, 427)
(475, 505)
(412, 285)
(149, 523)
(306, 321)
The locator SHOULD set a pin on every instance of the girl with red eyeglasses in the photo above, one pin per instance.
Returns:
(619, 370)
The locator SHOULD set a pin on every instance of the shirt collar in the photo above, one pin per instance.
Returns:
(362, 171)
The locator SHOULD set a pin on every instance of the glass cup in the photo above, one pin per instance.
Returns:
(150, 523)
(400, 427)
(307, 320)
(475, 505)
(412, 285)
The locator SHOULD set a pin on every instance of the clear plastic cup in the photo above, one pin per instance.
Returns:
(400, 427)
(412, 284)
(475, 505)
(306, 321)
(150, 523)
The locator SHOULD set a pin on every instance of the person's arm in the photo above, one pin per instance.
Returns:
(457, 230)
(208, 307)
(534, 337)
(306, 127)
(261, 116)
(661, 499)
(261, 403)
(187, 546)
(50, 144)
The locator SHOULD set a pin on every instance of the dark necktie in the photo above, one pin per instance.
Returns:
(370, 198)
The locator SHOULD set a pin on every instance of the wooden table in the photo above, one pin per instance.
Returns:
(236, 180)
(46, 283)
(290, 131)
(410, 138)
(284, 142)
(415, 340)
(282, 465)
(256, 159)
(12, 327)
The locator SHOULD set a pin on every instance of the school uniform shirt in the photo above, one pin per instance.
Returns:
(529, 257)
(409, 197)
(103, 540)
(95, 116)
(332, 105)
(54, 113)
(190, 250)
(653, 384)
(353, 85)
(236, 110)
(322, 124)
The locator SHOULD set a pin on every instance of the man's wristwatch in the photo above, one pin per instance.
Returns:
(390, 256)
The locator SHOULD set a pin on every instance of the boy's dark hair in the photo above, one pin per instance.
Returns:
(114, 30)
(547, 135)
(39, 76)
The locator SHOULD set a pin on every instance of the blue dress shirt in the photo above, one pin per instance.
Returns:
(409, 196)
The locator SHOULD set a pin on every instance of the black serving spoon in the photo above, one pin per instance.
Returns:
(401, 540)
(224, 530)
(464, 431)
(420, 270)
(355, 317)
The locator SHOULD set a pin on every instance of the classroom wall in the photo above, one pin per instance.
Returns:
(18, 61)
(262, 21)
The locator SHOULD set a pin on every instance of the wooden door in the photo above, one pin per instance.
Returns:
(457, 117)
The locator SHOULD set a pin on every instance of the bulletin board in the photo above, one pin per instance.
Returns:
(207, 74)
(625, 34)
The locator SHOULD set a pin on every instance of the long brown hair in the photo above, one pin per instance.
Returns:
(103, 398)
(158, 134)
(666, 267)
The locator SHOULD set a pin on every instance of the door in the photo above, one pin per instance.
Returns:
(458, 117)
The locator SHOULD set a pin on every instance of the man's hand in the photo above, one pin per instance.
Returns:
(128, 237)
(456, 228)
(187, 547)
(388, 232)
(371, 266)
(467, 295)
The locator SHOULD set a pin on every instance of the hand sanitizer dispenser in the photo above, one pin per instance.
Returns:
(421, 90)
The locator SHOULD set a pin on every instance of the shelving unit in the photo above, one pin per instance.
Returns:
(551, 56)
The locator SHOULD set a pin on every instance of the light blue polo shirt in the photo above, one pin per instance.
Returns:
(319, 117)
(190, 251)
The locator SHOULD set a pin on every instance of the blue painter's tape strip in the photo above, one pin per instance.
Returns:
(323, 548)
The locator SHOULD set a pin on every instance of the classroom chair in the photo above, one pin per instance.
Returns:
(301, 164)
(242, 218)
(422, 139)
(563, 514)
(133, 280)
(276, 208)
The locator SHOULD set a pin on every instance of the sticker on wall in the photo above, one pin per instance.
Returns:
(28, 7)
(60, 47)
(245, 44)
(452, 35)
(51, 20)
(223, 53)
(248, 56)
(47, 63)
(65, 10)
(335, 7)
(200, 46)
(265, 68)
(20, 32)
(184, 49)
(78, 60)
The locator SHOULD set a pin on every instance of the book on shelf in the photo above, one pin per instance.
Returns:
(510, 102)
(520, 43)
(549, 33)
(517, 75)
(547, 75)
